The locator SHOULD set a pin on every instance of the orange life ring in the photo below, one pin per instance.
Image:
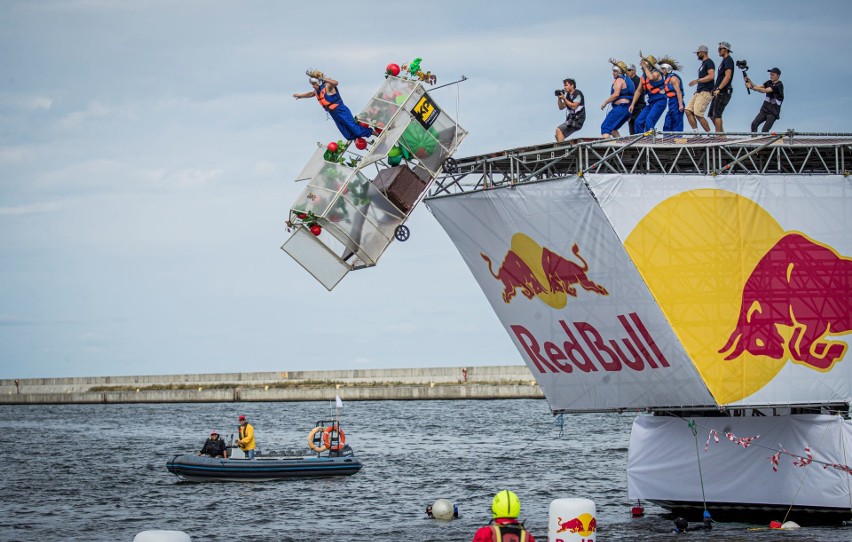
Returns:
(326, 438)
(311, 444)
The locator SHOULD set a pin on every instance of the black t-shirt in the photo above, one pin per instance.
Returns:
(637, 82)
(777, 94)
(726, 64)
(706, 66)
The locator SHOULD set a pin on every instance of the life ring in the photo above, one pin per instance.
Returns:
(311, 444)
(326, 438)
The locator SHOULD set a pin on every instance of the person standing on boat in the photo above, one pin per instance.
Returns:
(246, 440)
(214, 446)
(504, 527)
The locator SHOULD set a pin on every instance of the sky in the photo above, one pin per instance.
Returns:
(148, 151)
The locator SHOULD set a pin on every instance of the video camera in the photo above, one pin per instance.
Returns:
(743, 65)
(558, 92)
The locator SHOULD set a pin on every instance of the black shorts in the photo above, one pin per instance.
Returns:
(718, 105)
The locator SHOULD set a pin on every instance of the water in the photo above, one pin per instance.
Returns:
(97, 472)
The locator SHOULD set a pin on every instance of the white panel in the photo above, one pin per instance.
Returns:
(315, 257)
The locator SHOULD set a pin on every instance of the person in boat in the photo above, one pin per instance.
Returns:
(326, 92)
(214, 446)
(504, 526)
(246, 437)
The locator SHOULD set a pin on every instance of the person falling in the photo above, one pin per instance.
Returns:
(325, 91)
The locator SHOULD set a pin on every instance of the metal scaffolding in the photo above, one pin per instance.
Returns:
(658, 153)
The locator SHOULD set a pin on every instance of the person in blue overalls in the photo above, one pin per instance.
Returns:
(326, 93)
(652, 82)
(673, 87)
(621, 93)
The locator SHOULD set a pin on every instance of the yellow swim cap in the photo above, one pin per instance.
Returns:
(506, 505)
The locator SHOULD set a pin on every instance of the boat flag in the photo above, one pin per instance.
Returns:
(339, 402)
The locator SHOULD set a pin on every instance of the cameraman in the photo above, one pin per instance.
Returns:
(770, 111)
(572, 100)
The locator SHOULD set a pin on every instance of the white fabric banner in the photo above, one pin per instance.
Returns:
(565, 289)
(663, 461)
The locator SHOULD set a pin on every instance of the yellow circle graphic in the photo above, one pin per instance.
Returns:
(695, 252)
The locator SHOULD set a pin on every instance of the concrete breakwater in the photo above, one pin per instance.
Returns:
(478, 382)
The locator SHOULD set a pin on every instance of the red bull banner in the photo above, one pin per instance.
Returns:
(754, 274)
(629, 291)
(568, 295)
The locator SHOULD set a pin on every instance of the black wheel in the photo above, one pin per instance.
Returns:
(450, 165)
(402, 233)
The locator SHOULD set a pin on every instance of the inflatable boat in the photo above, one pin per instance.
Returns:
(193, 468)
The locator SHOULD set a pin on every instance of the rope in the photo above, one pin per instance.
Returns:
(793, 501)
(559, 422)
(694, 429)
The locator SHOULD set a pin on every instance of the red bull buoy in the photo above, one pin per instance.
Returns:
(572, 520)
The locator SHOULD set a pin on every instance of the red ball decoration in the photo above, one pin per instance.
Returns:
(316, 229)
(360, 143)
(332, 146)
(392, 69)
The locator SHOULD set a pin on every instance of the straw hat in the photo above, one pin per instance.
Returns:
(620, 64)
(671, 62)
(650, 59)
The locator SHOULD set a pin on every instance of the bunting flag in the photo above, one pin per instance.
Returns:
(745, 442)
(801, 461)
(713, 434)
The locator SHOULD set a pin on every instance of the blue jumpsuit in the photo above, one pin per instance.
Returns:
(649, 116)
(620, 113)
(674, 118)
(341, 114)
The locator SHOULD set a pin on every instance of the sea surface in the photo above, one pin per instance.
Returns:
(98, 472)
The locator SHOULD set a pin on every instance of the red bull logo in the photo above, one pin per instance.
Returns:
(538, 271)
(803, 285)
(583, 525)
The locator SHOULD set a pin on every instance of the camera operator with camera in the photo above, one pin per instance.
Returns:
(571, 99)
(722, 91)
(770, 111)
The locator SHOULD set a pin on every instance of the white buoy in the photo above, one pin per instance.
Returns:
(442, 509)
(162, 536)
(790, 525)
(572, 520)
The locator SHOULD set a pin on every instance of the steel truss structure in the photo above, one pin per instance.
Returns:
(658, 153)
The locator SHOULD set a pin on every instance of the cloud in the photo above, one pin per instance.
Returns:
(33, 208)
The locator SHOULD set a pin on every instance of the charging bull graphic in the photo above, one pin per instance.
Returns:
(557, 274)
(584, 524)
(802, 284)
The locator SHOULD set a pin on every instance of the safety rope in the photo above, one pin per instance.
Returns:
(793, 500)
(560, 422)
(694, 429)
